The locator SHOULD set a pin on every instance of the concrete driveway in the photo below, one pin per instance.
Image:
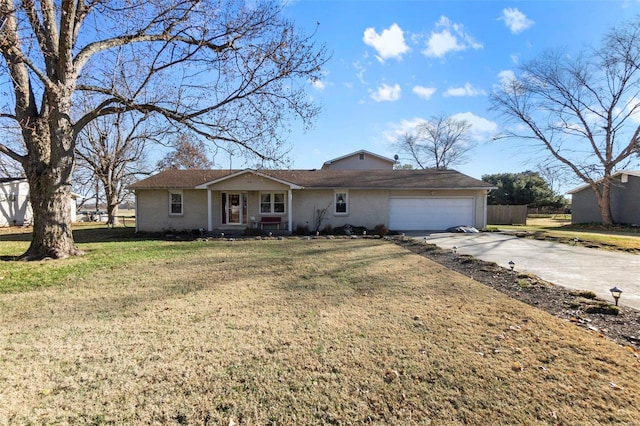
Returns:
(573, 267)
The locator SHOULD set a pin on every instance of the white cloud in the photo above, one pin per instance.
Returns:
(450, 38)
(386, 93)
(360, 70)
(506, 78)
(515, 20)
(424, 92)
(318, 84)
(389, 44)
(481, 129)
(466, 90)
(398, 129)
(631, 105)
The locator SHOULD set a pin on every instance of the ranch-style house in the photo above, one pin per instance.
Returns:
(360, 189)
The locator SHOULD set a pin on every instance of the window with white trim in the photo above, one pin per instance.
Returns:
(272, 202)
(341, 202)
(175, 202)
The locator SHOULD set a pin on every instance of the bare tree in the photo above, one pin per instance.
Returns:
(232, 73)
(437, 143)
(112, 149)
(8, 166)
(554, 174)
(187, 153)
(581, 109)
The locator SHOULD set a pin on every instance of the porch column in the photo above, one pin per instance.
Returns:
(209, 211)
(135, 212)
(290, 212)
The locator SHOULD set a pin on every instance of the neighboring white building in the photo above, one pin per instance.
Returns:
(15, 208)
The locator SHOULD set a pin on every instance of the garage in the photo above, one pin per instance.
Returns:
(434, 214)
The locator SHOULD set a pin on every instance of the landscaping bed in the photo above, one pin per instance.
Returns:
(620, 324)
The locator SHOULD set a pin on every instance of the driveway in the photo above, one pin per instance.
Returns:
(573, 267)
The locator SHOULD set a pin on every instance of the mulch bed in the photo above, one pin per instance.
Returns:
(582, 308)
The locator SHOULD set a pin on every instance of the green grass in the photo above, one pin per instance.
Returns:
(110, 249)
(106, 250)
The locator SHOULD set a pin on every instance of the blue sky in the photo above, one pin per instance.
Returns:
(395, 63)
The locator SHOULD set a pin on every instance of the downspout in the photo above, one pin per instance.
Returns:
(484, 208)
(209, 211)
(290, 208)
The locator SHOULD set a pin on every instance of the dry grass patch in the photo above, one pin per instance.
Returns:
(614, 237)
(300, 332)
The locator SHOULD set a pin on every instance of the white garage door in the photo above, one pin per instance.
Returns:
(434, 214)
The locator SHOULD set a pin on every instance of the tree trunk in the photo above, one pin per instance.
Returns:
(112, 211)
(48, 171)
(52, 235)
(603, 196)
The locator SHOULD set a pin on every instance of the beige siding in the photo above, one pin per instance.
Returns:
(365, 208)
(152, 214)
(355, 163)
(152, 211)
(248, 181)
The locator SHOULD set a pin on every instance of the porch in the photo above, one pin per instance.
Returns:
(249, 200)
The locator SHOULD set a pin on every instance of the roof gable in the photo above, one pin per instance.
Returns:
(244, 172)
(361, 154)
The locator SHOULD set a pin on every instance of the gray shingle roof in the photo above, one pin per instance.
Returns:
(635, 173)
(364, 179)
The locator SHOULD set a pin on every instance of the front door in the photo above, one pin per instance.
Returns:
(236, 208)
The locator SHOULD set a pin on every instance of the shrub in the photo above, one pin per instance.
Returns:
(381, 230)
(302, 229)
(358, 230)
(339, 230)
(252, 232)
(327, 230)
(586, 294)
(349, 230)
(602, 308)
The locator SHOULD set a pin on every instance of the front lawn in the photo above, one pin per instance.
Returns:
(293, 331)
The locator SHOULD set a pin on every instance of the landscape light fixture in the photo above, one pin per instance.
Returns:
(616, 292)
(512, 264)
